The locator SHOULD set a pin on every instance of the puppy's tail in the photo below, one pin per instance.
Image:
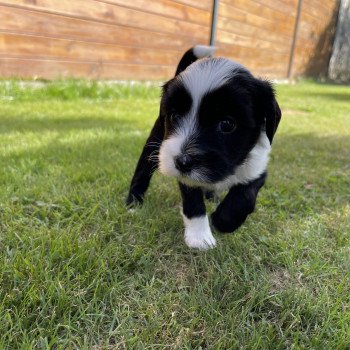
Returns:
(192, 55)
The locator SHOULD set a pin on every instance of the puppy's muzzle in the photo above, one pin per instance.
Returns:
(184, 163)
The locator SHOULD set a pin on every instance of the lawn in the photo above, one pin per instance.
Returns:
(79, 271)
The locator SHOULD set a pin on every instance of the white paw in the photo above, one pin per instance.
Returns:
(201, 242)
(198, 234)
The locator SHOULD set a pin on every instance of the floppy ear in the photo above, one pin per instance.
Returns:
(268, 107)
(272, 119)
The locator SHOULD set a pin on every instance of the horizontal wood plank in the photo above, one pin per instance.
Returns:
(248, 30)
(34, 46)
(269, 64)
(261, 10)
(318, 8)
(286, 7)
(202, 4)
(232, 38)
(235, 14)
(166, 8)
(53, 69)
(314, 41)
(48, 24)
(108, 13)
(141, 39)
(242, 53)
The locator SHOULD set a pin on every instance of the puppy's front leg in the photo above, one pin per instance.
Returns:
(197, 229)
(237, 205)
(147, 163)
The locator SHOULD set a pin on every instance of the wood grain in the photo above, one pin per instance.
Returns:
(52, 69)
(248, 30)
(166, 8)
(202, 4)
(255, 19)
(252, 42)
(59, 26)
(142, 39)
(108, 13)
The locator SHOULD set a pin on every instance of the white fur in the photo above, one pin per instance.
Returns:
(206, 75)
(252, 167)
(200, 77)
(198, 233)
(172, 146)
(201, 51)
(169, 149)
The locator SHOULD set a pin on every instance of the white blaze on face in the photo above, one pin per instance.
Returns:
(199, 78)
(174, 145)
(207, 75)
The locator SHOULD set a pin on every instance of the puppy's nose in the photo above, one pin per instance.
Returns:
(184, 163)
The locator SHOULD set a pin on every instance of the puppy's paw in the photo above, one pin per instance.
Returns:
(133, 200)
(198, 234)
(226, 223)
(200, 241)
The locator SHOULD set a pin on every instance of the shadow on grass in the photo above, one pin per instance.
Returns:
(60, 124)
(339, 96)
(303, 165)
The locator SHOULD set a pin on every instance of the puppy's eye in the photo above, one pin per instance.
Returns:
(227, 125)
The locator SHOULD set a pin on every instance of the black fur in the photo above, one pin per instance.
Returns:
(147, 164)
(229, 122)
(192, 201)
(237, 205)
(187, 59)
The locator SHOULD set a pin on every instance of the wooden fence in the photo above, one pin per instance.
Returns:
(144, 39)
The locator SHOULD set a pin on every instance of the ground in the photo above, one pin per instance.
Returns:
(78, 271)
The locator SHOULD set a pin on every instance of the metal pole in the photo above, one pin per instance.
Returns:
(295, 35)
(214, 17)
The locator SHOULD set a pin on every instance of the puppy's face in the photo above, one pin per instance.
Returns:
(214, 115)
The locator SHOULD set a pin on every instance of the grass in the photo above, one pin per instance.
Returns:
(78, 271)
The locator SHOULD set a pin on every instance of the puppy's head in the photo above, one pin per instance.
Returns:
(214, 112)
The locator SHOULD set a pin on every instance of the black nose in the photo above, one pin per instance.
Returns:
(184, 163)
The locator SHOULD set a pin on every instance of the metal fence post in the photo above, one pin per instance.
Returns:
(214, 17)
(295, 35)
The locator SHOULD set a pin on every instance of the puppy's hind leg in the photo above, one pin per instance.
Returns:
(147, 164)
(237, 205)
(197, 229)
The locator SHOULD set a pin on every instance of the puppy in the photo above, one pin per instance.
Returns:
(214, 133)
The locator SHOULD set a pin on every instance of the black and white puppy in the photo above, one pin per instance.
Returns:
(213, 133)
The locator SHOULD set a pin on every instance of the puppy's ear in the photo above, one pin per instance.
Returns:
(165, 86)
(268, 107)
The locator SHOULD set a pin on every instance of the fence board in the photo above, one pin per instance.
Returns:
(108, 13)
(59, 26)
(260, 10)
(142, 39)
(315, 37)
(287, 7)
(248, 30)
(166, 8)
(243, 16)
(52, 69)
(252, 42)
(35, 46)
(203, 4)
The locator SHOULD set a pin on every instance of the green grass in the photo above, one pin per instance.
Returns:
(78, 271)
